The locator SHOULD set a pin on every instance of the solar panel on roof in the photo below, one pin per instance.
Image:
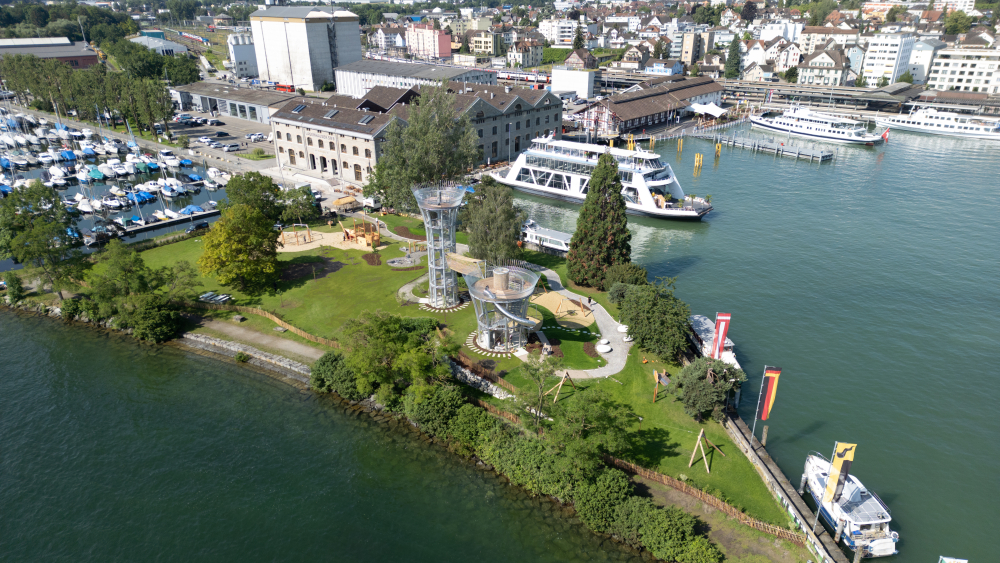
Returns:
(299, 108)
(331, 113)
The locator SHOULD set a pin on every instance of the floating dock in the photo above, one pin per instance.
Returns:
(770, 146)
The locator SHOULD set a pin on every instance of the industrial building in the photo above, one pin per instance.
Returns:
(77, 55)
(231, 101)
(242, 55)
(300, 46)
(160, 46)
(649, 105)
(357, 78)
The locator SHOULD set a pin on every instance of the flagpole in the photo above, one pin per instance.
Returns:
(757, 412)
(819, 501)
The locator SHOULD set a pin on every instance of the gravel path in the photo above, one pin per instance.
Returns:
(261, 339)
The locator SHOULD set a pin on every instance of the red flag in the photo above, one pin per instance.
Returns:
(767, 396)
(721, 328)
(885, 135)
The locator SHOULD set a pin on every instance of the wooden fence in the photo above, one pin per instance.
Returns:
(482, 372)
(714, 502)
(265, 314)
(503, 414)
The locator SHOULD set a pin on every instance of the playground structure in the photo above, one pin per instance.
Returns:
(501, 295)
(296, 237)
(362, 232)
(569, 313)
(439, 206)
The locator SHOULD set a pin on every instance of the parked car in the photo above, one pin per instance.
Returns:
(216, 145)
(232, 147)
(206, 140)
(181, 117)
(215, 122)
(201, 121)
(221, 134)
(196, 227)
(255, 137)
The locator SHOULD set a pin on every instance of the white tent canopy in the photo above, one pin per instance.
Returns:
(711, 109)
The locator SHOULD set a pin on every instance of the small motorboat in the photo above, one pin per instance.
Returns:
(18, 160)
(42, 121)
(129, 167)
(107, 170)
(195, 178)
(95, 172)
(8, 140)
(116, 190)
(45, 158)
(210, 185)
(21, 140)
(99, 149)
(59, 183)
(110, 147)
(31, 158)
(87, 133)
(138, 220)
(168, 192)
(160, 216)
(111, 202)
(214, 172)
(172, 214)
(84, 205)
(83, 176)
(34, 140)
(150, 187)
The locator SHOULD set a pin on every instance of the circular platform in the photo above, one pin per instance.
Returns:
(401, 262)
(605, 342)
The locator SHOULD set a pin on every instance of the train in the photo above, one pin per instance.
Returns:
(526, 76)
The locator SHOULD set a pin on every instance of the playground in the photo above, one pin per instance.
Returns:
(359, 235)
(569, 313)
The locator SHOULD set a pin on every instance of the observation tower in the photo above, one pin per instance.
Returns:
(439, 207)
(501, 295)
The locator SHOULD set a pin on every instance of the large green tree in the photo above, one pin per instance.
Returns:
(957, 22)
(733, 59)
(704, 384)
(494, 222)
(578, 38)
(34, 227)
(586, 427)
(435, 143)
(255, 190)
(656, 319)
(300, 205)
(241, 250)
(602, 238)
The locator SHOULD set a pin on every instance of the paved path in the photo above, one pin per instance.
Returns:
(261, 339)
(609, 330)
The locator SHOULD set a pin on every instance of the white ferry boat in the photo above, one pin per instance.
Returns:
(930, 120)
(532, 232)
(804, 122)
(860, 514)
(561, 170)
(703, 336)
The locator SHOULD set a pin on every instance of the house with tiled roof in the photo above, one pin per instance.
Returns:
(789, 55)
(525, 54)
(650, 104)
(827, 67)
(580, 59)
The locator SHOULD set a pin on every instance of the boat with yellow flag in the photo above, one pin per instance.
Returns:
(858, 515)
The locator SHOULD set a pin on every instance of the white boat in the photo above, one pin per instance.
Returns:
(160, 216)
(107, 170)
(87, 133)
(703, 336)
(57, 182)
(83, 176)
(150, 187)
(21, 140)
(84, 206)
(99, 149)
(172, 214)
(8, 140)
(42, 121)
(45, 158)
(111, 148)
(214, 172)
(18, 160)
(210, 185)
(561, 170)
(34, 140)
(116, 190)
(804, 122)
(130, 157)
(111, 202)
(172, 161)
(863, 516)
(129, 167)
(168, 192)
(118, 167)
(63, 134)
(55, 154)
(935, 122)
(534, 233)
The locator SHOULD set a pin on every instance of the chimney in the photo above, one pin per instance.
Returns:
(506, 89)
(491, 95)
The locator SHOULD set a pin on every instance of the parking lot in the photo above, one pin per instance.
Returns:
(235, 128)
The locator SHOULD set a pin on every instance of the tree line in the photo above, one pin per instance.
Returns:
(61, 20)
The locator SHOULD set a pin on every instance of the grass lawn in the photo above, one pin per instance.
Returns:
(571, 343)
(416, 226)
(558, 265)
(251, 156)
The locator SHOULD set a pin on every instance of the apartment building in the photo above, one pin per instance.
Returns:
(966, 69)
(242, 54)
(357, 78)
(921, 58)
(485, 43)
(888, 57)
(422, 40)
(695, 45)
(525, 54)
(813, 37)
(560, 33)
(829, 68)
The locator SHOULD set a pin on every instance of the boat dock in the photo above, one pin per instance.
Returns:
(194, 217)
(770, 146)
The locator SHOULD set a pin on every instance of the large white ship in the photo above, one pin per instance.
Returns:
(562, 169)
(804, 122)
(930, 120)
(860, 517)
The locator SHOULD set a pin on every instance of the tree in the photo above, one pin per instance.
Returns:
(704, 384)
(241, 250)
(749, 12)
(957, 22)
(792, 74)
(34, 227)
(602, 238)
(628, 273)
(906, 77)
(667, 532)
(15, 287)
(747, 36)
(882, 82)
(659, 49)
(255, 190)
(733, 59)
(435, 143)
(588, 426)
(656, 319)
(578, 39)
(331, 373)
(300, 204)
(597, 502)
(861, 81)
(894, 13)
(181, 70)
(494, 222)
(538, 371)
(695, 70)
(437, 23)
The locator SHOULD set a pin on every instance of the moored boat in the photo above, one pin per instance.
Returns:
(804, 122)
(937, 122)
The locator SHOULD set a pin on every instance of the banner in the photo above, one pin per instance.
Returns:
(767, 396)
(769, 93)
(721, 328)
(839, 468)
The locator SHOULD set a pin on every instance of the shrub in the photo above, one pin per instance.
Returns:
(700, 550)
(667, 532)
(596, 502)
(330, 373)
(617, 292)
(70, 309)
(184, 141)
(463, 429)
(301, 91)
(628, 273)
(257, 153)
(242, 357)
(700, 396)
(15, 287)
(629, 518)
(148, 318)
(433, 407)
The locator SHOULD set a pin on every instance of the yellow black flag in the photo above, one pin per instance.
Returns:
(839, 467)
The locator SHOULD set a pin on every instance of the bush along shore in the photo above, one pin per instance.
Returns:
(557, 454)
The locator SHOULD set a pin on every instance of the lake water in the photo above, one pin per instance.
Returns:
(118, 451)
(872, 282)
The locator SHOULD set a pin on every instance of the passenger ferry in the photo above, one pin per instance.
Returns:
(804, 122)
(860, 517)
(533, 233)
(930, 120)
(562, 169)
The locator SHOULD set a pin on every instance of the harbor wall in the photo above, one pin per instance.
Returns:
(786, 494)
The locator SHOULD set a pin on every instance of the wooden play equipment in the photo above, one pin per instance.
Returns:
(659, 378)
(698, 445)
(362, 232)
(559, 385)
(296, 237)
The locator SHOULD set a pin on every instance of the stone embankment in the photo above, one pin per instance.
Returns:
(289, 368)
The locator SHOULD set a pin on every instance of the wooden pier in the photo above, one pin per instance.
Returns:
(770, 146)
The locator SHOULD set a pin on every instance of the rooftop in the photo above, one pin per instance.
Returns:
(309, 111)
(428, 72)
(302, 12)
(231, 92)
(47, 50)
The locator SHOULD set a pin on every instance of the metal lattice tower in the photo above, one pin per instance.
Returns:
(439, 206)
(501, 295)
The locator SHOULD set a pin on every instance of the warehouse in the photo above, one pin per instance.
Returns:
(232, 101)
(76, 55)
(358, 78)
(160, 46)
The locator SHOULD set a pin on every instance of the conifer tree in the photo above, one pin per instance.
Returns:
(578, 39)
(733, 59)
(494, 222)
(602, 238)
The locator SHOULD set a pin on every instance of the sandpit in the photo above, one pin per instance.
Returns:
(568, 313)
(319, 239)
